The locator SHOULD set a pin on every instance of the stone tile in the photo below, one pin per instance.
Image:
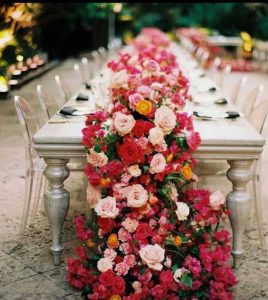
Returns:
(57, 276)
(33, 288)
(13, 270)
(72, 297)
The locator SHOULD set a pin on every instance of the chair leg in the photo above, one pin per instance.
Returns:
(26, 205)
(39, 183)
(257, 194)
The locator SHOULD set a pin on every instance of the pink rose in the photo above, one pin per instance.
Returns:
(142, 142)
(106, 208)
(119, 79)
(165, 118)
(157, 164)
(137, 287)
(157, 86)
(137, 196)
(104, 264)
(216, 200)
(123, 235)
(135, 98)
(134, 171)
(110, 253)
(156, 136)
(97, 159)
(125, 247)
(162, 147)
(144, 90)
(119, 191)
(130, 224)
(153, 255)
(168, 262)
(121, 269)
(151, 65)
(93, 195)
(123, 123)
(130, 260)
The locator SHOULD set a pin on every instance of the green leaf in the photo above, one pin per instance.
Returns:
(187, 280)
(97, 148)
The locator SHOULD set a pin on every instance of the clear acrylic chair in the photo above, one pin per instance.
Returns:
(251, 100)
(64, 88)
(48, 103)
(224, 74)
(34, 178)
(239, 85)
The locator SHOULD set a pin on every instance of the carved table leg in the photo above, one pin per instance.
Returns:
(57, 202)
(238, 202)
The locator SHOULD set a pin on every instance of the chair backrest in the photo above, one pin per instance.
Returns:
(258, 115)
(64, 88)
(48, 103)
(237, 89)
(251, 100)
(87, 70)
(224, 73)
(29, 121)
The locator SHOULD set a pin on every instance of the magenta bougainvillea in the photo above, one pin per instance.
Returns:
(150, 234)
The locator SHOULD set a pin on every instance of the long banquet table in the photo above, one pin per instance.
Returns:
(233, 140)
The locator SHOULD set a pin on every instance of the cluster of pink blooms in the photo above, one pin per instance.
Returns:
(150, 235)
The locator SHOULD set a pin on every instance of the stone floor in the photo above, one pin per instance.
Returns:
(28, 272)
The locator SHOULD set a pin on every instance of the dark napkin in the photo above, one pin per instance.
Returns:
(232, 114)
(81, 97)
(88, 86)
(67, 110)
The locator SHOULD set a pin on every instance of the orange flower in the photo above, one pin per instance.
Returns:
(105, 182)
(177, 241)
(113, 241)
(115, 297)
(153, 200)
(144, 107)
(90, 243)
(169, 157)
(187, 172)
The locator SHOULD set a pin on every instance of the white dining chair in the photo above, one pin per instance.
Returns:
(65, 90)
(34, 179)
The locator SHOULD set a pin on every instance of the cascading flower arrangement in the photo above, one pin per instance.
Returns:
(150, 234)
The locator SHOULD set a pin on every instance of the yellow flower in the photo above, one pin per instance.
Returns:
(177, 241)
(113, 241)
(169, 158)
(144, 107)
(115, 297)
(187, 172)
(90, 243)
(105, 182)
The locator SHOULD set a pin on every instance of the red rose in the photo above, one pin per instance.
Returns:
(141, 128)
(118, 285)
(130, 152)
(80, 251)
(166, 277)
(118, 259)
(106, 278)
(106, 224)
(142, 232)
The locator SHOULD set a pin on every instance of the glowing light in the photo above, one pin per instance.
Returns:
(3, 85)
(19, 58)
(6, 37)
(117, 7)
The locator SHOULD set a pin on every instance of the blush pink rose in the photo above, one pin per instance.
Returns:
(156, 136)
(130, 224)
(123, 123)
(142, 142)
(125, 247)
(157, 86)
(162, 147)
(97, 159)
(145, 90)
(106, 208)
(137, 287)
(134, 99)
(121, 269)
(216, 200)
(173, 194)
(157, 164)
(137, 196)
(151, 65)
(165, 118)
(152, 256)
(134, 171)
(104, 264)
(110, 253)
(119, 79)
(93, 195)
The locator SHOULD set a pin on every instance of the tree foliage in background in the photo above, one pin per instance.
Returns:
(226, 18)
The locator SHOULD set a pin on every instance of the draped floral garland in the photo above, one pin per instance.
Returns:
(150, 235)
